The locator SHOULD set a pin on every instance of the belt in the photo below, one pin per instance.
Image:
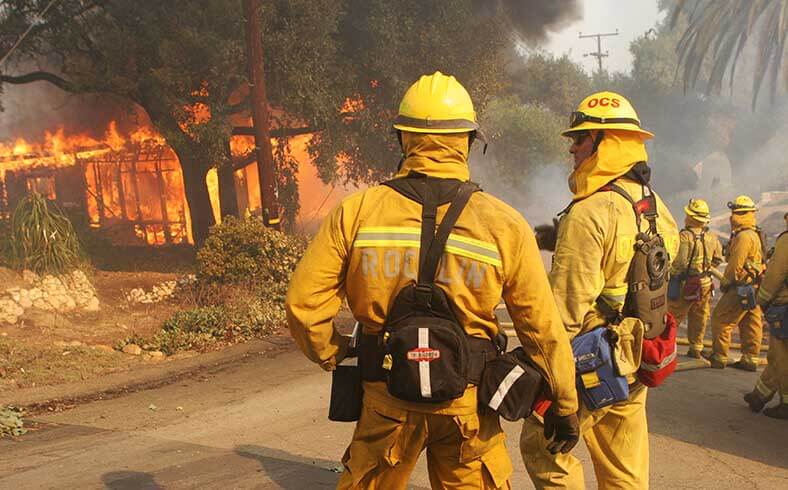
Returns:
(372, 353)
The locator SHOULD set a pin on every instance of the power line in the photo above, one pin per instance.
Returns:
(598, 54)
(37, 20)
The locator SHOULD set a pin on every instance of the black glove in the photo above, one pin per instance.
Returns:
(547, 235)
(566, 430)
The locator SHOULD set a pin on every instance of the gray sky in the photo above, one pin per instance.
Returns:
(632, 18)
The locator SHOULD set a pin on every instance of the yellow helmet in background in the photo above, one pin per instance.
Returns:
(436, 103)
(698, 209)
(606, 110)
(742, 204)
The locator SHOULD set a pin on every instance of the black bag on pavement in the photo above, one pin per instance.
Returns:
(510, 385)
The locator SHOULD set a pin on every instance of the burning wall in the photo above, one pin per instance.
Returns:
(130, 186)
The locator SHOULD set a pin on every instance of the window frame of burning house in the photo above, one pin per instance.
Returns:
(33, 183)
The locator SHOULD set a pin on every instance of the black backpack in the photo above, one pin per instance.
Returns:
(428, 348)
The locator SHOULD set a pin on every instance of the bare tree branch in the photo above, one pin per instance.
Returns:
(38, 76)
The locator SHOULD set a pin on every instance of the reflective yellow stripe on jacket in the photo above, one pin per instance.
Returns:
(409, 237)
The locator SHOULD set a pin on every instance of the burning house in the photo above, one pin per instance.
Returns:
(130, 187)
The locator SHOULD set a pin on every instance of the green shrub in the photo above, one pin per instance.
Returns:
(200, 328)
(11, 423)
(245, 252)
(42, 237)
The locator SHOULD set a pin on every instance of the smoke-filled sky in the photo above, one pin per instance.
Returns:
(632, 18)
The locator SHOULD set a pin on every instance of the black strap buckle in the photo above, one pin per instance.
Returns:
(423, 296)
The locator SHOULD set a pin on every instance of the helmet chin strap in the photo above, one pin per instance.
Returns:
(598, 140)
(401, 160)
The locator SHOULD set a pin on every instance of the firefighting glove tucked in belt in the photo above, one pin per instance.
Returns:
(566, 430)
(547, 235)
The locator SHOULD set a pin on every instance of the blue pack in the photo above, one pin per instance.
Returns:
(777, 316)
(598, 381)
(674, 287)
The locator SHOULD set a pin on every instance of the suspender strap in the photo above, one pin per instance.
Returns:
(429, 257)
(429, 211)
(692, 254)
(646, 207)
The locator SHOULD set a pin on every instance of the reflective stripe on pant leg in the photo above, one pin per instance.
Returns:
(766, 391)
(618, 444)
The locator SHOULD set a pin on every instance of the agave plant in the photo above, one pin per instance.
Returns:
(42, 237)
(719, 30)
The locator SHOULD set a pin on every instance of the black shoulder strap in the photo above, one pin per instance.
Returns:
(432, 247)
(694, 249)
(704, 265)
(647, 207)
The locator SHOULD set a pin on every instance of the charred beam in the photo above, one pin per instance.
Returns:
(274, 133)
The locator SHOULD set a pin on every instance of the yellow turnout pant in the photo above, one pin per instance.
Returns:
(697, 314)
(727, 314)
(616, 437)
(463, 451)
(774, 379)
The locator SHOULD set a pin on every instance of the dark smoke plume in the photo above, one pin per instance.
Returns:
(532, 20)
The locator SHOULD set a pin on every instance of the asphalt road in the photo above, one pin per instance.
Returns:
(261, 423)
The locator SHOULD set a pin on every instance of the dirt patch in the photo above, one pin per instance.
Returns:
(10, 278)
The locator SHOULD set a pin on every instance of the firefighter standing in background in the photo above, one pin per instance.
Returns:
(592, 258)
(366, 251)
(699, 252)
(737, 305)
(773, 297)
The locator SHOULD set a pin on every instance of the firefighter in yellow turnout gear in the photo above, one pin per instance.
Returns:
(742, 275)
(367, 250)
(774, 293)
(592, 257)
(699, 252)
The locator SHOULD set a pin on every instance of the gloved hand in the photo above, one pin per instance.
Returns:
(344, 347)
(547, 235)
(566, 430)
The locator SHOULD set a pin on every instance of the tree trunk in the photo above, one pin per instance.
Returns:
(228, 198)
(197, 196)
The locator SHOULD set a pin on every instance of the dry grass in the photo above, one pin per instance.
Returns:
(24, 366)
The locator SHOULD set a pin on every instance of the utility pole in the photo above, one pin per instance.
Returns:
(260, 118)
(598, 54)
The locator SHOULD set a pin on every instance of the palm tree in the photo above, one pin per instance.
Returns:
(717, 31)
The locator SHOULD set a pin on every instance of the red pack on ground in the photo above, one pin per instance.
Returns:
(659, 356)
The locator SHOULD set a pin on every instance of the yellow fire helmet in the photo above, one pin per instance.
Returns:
(436, 103)
(742, 204)
(698, 209)
(605, 110)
